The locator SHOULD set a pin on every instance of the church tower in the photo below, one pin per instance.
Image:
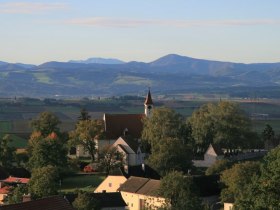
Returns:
(148, 105)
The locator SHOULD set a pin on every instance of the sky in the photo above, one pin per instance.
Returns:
(35, 32)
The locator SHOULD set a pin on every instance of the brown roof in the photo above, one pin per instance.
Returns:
(50, 203)
(133, 184)
(105, 200)
(150, 188)
(143, 186)
(115, 125)
(149, 100)
(143, 170)
(132, 143)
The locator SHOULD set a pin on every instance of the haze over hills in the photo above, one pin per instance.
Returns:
(98, 60)
(171, 73)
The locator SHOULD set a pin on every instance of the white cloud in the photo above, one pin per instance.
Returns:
(115, 22)
(29, 7)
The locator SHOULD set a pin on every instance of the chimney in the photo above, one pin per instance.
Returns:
(26, 198)
(143, 167)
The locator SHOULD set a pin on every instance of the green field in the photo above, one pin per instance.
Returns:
(5, 126)
(16, 114)
(81, 182)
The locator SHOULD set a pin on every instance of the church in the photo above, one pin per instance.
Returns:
(124, 132)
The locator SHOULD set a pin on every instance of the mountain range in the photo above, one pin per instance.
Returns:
(106, 77)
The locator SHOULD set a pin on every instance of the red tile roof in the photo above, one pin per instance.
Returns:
(4, 190)
(148, 100)
(50, 203)
(115, 125)
(16, 180)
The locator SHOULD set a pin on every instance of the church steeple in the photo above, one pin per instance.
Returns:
(148, 104)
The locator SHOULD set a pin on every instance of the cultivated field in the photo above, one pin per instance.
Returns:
(17, 114)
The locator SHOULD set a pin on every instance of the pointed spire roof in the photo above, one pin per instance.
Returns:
(149, 100)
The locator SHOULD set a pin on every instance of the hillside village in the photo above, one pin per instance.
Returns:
(152, 160)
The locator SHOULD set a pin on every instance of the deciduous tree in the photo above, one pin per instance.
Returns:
(180, 192)
(224, 124)
(109, 158)
(85, 202)
(165, 133)
(46, 151)
(237, 177)
(46, 124)
(43, 182)
(7, 152)
(85, 134)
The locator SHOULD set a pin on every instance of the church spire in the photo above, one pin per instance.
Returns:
(148, 104)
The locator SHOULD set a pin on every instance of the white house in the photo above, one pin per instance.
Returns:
(212, 154)
(141, 193)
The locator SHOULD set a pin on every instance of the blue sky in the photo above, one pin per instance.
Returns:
(142, 30)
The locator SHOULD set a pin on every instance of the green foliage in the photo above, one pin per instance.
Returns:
(237, 177)
(43, 182)
(15, 195)
(84, 115)
(179, 192)
(223, 124)
(7, 152)
(46, 123)
(165, 134)
(218, 167)
(170, 155)
(46, 151)
(85, 133)
(269, 138)
(85, 202)
(263, 190)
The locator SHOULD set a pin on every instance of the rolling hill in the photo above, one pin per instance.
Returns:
(171, 73)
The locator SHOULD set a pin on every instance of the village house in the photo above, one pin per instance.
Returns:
(212, 154)
(119, 176)
(4, 191)
(6, 184)
(141, 193)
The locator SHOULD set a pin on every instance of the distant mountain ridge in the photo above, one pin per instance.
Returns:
(170, 73)
(98, 61)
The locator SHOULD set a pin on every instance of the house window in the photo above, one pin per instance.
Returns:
(230, 207)
(110, 184)
(132, 205)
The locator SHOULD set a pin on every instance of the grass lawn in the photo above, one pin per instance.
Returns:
(81, 182)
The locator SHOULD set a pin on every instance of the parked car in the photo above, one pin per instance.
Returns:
(90, 168)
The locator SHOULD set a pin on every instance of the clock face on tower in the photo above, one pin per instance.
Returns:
(149, 107)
